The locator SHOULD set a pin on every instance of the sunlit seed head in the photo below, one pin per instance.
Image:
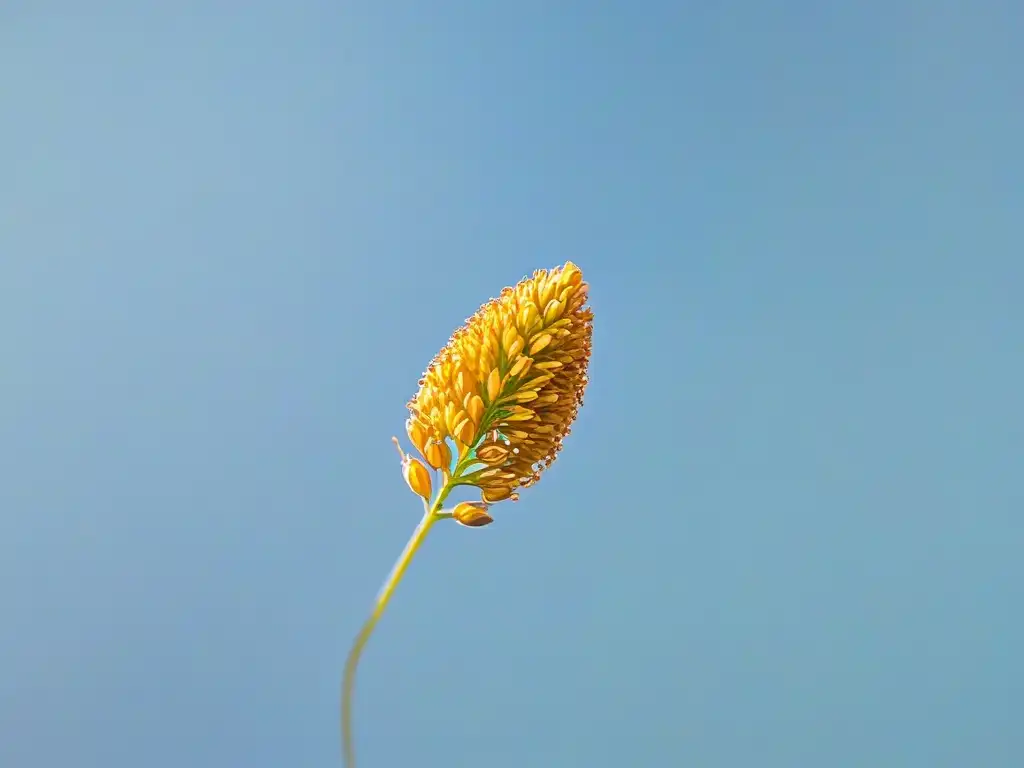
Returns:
(513, 375)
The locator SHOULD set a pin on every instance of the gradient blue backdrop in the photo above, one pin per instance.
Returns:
(787, 528)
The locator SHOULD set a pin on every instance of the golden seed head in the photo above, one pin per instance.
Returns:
(509, 383)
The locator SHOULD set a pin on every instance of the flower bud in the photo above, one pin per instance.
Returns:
(438, 454)
(417, 476)
(475, 408)
(465, 431)
(497, 493)
(472, 514)
(492, 453)
(417, 434)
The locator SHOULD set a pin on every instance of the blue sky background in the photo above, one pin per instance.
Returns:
(786, 530)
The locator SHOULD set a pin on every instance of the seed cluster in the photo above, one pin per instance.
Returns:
(508, 384)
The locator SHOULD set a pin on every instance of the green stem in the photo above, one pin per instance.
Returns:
(348, 683)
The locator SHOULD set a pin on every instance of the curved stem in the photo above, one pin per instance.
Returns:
(348, 682)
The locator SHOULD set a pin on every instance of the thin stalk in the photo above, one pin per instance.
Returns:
(431, 514)
(383, 597)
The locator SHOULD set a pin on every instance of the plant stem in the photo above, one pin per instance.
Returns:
(348, 682)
